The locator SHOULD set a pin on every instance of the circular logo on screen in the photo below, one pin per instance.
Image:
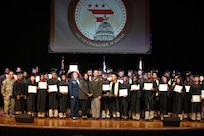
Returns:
(98, 23)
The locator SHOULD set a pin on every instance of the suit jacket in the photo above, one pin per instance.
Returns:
(85, 87)
(73, 87)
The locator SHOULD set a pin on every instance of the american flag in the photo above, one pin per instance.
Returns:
(104, 64)
(140, 63)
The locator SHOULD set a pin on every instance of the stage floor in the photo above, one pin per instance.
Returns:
(69, 124)
(55, 126)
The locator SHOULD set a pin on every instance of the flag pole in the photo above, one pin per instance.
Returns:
(140, 64)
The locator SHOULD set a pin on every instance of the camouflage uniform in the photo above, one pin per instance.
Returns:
(6, 91)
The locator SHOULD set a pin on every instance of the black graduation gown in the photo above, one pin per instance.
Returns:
(41, 99)
(135, 99)
(124, 101)
(187, 101)
(31, 98)
(105, 100)
(53, 96)
(149, 96)
(164, 100)
(195, 90)
(63, 98)
(178, 100)
(19, 88)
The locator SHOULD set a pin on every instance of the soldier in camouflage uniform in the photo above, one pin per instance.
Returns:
(6, 91)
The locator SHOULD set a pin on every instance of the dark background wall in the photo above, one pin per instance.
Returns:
(176, 27)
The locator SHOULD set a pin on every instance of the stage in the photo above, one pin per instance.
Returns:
(101, 127)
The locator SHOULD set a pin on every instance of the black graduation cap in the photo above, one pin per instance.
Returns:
(89, 69)
(19, 73)
(130, 70)
(196, 75)
(43, 73)
(53, 70)
(201, 74)
(63, 74)
(32, 74)
(115, 73)
(148, 71)
(166, 71)
(120, 70)
(100, 69)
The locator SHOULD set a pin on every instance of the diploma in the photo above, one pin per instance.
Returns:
(106, 87)
(37, 78)
(187, 88)
(109, 78)
(73, 67)
(49, 76)
(121, 81)
(53, 88)
(135, 87)
(196, 98)
(63, 89)
(123, 92)
(42, 85)
(163, 87)
(202, 94)
(32, 89)
(178, 88)
(148, 86)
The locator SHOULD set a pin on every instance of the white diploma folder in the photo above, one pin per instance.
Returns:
(120, 80)
(63, 89)
(123, 92)
(42, 85)
(196, 98)
(106, 87)
(202, 94)
(49, 76)
(73, 67)
(163, 87)
(148, 86)
(37, 78)
(32, 89)
(178, 88)
(187, 88)
(53, 88)
(135, 87)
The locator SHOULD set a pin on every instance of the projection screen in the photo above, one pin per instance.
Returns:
(100, 26)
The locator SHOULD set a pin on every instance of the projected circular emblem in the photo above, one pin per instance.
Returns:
(98, 23)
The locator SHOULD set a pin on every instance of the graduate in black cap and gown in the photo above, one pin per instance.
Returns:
(53, 88)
